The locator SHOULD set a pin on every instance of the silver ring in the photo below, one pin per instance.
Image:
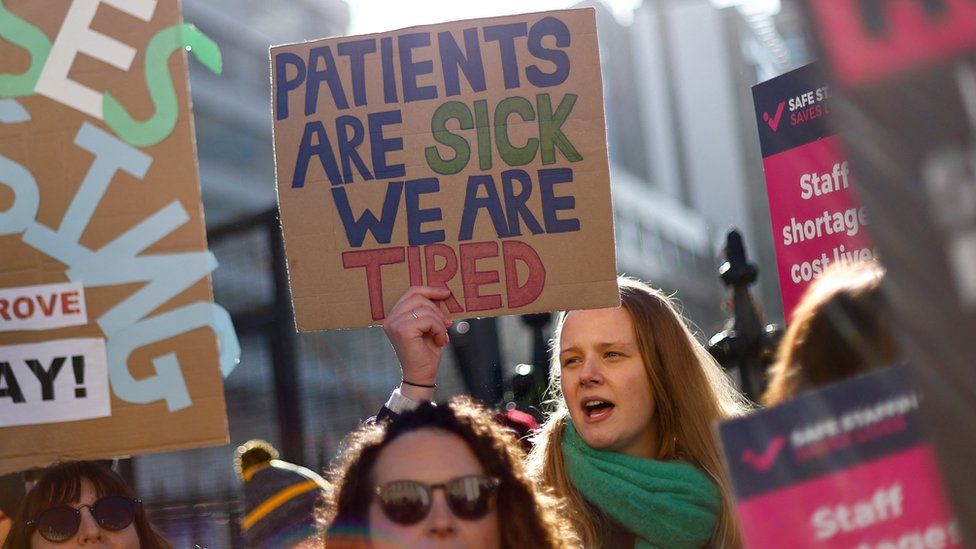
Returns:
(413, 313)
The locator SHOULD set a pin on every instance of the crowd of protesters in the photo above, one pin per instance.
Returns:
(627, 456)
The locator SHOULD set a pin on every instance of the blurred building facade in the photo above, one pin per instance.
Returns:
(683, 143)
(685, 165)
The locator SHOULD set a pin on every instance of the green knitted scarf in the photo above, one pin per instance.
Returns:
(663, 503)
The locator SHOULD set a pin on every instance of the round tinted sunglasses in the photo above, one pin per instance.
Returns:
(408, 502)
(61, 522)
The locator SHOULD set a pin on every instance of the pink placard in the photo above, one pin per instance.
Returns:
(868, 41)
(816, 219)
(889, 503)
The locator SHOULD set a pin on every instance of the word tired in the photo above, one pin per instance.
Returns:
(440, 265)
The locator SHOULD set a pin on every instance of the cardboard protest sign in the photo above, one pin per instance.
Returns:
(108, 330)
(847, 466)
(816, 219)
(470, 155)
(905, 76)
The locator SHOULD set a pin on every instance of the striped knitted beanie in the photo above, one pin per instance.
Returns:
(280, 498)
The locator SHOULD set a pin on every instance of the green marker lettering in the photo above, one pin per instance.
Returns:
(160, 125)
(32, 39)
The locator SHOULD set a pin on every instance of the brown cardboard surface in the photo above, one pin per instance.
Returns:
(551, 54)
(47, 147)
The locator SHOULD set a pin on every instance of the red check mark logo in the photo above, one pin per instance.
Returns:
(774, 121)
(764, 461)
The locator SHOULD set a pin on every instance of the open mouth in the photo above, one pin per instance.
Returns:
(597, 409)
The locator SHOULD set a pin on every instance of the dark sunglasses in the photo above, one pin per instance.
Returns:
(408, 502)
(61, 522)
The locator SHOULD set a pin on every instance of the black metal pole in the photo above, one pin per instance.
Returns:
(747, 346)
(540, 357)
(286, 389)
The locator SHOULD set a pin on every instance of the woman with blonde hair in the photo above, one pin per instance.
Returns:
(630, 444)
(631, 439)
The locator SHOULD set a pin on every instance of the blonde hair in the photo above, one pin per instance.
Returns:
(690, 394)
(837, 331)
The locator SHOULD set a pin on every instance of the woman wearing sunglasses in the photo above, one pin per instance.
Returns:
(629, 443)
(86, 504)
(439, 476)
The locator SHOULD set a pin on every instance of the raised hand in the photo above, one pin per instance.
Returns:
(417, 328)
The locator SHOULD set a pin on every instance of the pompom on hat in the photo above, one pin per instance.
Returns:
(280, 498)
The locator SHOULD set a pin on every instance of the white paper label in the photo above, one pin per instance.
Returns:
(42, 307)
(54, 381)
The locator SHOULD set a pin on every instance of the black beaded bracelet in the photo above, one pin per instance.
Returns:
(434, 386)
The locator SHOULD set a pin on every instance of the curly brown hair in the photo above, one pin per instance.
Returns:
(530, 516)
(61, 484)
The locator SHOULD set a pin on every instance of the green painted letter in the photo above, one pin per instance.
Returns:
(438, 128)
(148, 132)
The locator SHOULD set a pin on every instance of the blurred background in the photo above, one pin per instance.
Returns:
(685, 166)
